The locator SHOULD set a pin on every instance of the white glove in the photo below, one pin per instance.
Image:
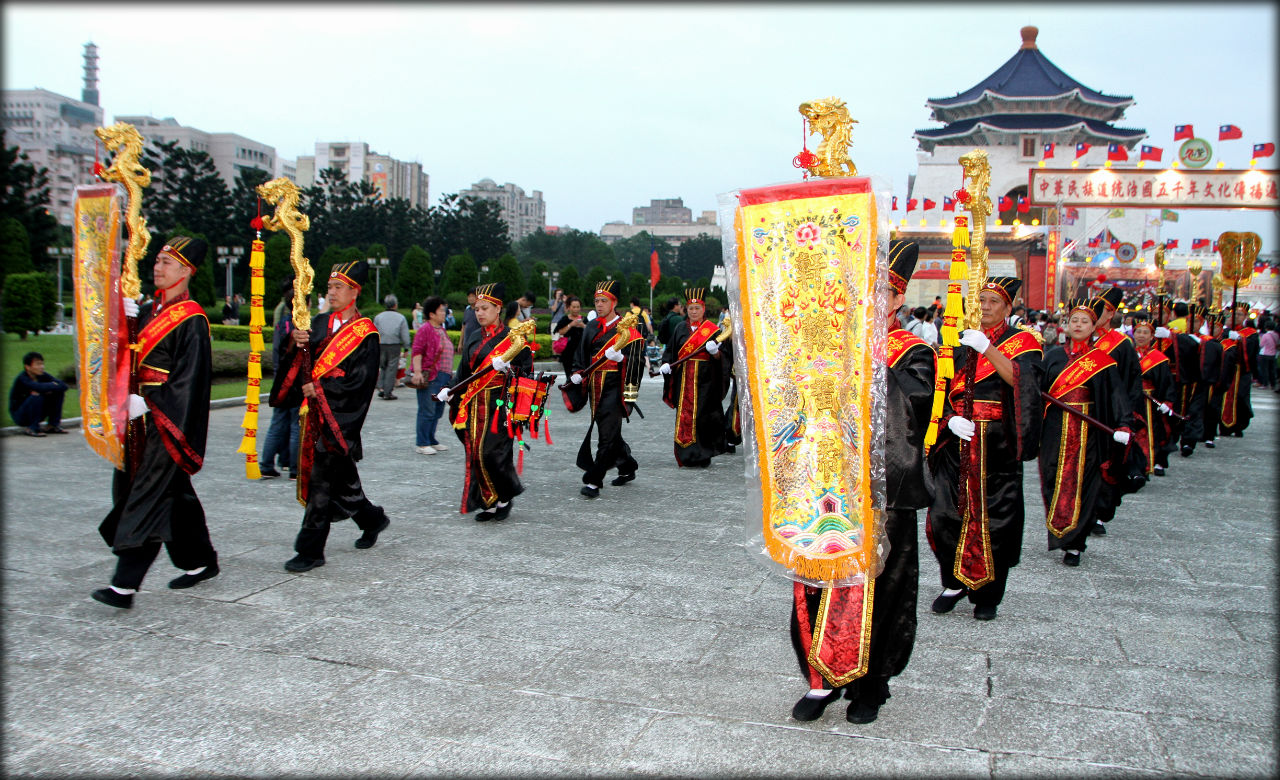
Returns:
(713, 347)
(576, 379)
(1121, 437)
(1166, 408)
(499, 364)
(1163, 333)
(130, 307)
(960, 426)
(1233, 335)
(137, 406)
(976, 340)
(614, 355)
(443, 396)
(665, 368)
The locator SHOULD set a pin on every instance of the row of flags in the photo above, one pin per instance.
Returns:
(1006, 203)
(1107, 238)
(1118, 153)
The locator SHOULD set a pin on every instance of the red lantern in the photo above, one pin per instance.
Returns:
(1102, 278)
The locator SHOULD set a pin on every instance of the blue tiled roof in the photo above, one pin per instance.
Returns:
(1031, 123)
(1028, 73)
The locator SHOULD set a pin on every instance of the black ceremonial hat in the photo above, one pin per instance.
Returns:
(1094, 306)
(695, 295)
(1005, 286)
(189, 251)
(493, 292)
(354, 273)
(1113, 295)
(608, 288)
(902, 263)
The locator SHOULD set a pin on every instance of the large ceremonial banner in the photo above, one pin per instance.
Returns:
(806, 267)
(101, 340)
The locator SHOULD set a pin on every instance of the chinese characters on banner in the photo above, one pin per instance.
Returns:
(1233, 189)
(1051, 269)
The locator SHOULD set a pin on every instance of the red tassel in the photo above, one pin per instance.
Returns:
(256, 222)
(493, 422)
(520, 457)
(546, 429)
(97, 166)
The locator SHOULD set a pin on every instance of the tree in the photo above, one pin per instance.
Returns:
(459, 275)
(595, 276)
(698, 256)
(669, 285)
(28, 303)
(415, 280)
(467, 224)
(638, 286)
(277, 267)
(25, 197)
(570, 248)
(505, 269)
(15, 249)
(633, 253)
(201, 288)
(571, 283)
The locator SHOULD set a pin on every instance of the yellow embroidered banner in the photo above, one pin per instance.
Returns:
(806, 288)
(102, 349)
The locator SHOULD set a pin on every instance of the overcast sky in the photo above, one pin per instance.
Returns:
(604, 107)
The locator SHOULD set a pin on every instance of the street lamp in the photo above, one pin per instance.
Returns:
(552, 277)
(377, 264)
(484, 271)
(228, 257)
(60, 252)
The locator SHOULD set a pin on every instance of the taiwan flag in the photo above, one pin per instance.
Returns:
(1215, 246)
(1024, 205)
(895, 204)
(1228, 133)
(1199, 243)
(1117, 153)
(655, 273)
(948, 204)
(1151, 153)
(1149, 244)
(1048, 151)
(911, 205)
(1263, 150)
(928, 204)
(1171, 244)
(1183, 131)
(1006, 203)
(1081, 150)
(1115, 244)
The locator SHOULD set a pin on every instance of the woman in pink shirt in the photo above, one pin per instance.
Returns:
(1267, 347)
(432, 365)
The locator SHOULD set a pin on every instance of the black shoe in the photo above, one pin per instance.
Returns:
(622, 479)
(590, 492)
(485, 515)
(1098, 530)
(57, 429)
(501, 512)
(293, 475)
(1210, 445)
(985, 612)
(809, 708)
(1071, 558)
(268, 473)
(1187, 449)
(861, 711)
(1237, 434)
(1158, 471)
(302, 563)
(112, 599)
(389, 397)
(187, 580)
(370, 538)
(382, 394)
(944, 603)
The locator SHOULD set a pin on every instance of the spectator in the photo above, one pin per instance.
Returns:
(929, 332)
(916, 323)
(937, 306)
(432, 357)
(230, 312)
(469, 315)
(525, 301)
(570, 327)
(674, 316)
(284, 433)
(393, 335)
(557, 307)
(643, 323)
(1267, 348)
(417, 316)
(36, 397)
(1017, 317)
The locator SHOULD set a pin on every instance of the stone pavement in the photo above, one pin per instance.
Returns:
(626, 635)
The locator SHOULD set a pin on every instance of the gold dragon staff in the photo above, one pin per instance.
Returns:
(1160, 285)
(126, 167)
(284, 194)
(977, 173)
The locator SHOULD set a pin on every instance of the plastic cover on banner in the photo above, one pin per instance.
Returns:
(102, 349)
(807, 274)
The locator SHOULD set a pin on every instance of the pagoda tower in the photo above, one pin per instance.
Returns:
(1012, 114)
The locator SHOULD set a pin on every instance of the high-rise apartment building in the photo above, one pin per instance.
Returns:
(665, 218)
(231, 152)
(524, 214)
(392, 178)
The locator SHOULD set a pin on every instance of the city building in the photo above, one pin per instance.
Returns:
(392, 178)
(56, 133)
(524, 214)
(1026, 112)
(231, 152)
(665, 218)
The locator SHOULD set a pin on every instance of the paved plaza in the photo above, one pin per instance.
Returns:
(630, 634)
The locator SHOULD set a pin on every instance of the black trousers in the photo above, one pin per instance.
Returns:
(189, 549)
(334, 494)
(991, 593)
(612, 452)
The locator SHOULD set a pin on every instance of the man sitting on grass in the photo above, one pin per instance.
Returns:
(36, 397)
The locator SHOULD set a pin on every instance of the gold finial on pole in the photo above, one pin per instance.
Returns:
(1195, 267)
(977, 174)
(127, 168)
(283, 194)
(830, 117)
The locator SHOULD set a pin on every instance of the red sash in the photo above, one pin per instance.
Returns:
(1021, 343)
(697, 337)
(1246, 333)
(1079, 371)
(900, 343)
(1152, 359)
(340, 347)
(631, 335)
(162, 325)
(1109, 341)
(479, 385)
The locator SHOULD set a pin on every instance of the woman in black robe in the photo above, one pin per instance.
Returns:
(696, 387)
(1072, 451)
(491, 481)
(1158, 436)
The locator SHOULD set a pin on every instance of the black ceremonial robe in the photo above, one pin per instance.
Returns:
(603, 388)
(490, 475)
(1160, 429)
(695, 389)
(1128, 474)
(157, 502)
(1235, 380)
(978, 542)
(1211, 374)
(909, 400)
(1072, 452)
(1183, 351)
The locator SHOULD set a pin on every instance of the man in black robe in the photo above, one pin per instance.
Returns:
(491, 482)
(1211, 373)
(1237, 408)
(334, 367)
(909, 400)
(154, 502)
(619, 369)
(696, 387)
(1159, 391)
(989, 431)
(1123, 475)
(1183, 349)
